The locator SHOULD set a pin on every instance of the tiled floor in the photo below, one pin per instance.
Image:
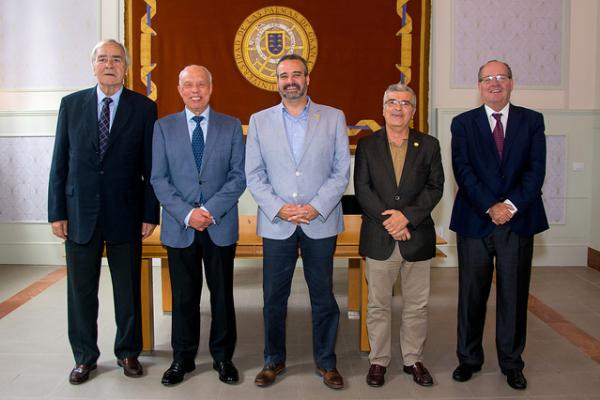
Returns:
(35, 357)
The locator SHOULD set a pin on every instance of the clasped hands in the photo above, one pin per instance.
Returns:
(200, 219)
(397, 225)
(501, 213)
(297, 214)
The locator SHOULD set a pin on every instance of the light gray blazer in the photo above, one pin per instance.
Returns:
(320, 178)
(179, 186)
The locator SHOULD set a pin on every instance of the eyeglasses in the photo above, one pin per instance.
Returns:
(498, 78)
(398, 103)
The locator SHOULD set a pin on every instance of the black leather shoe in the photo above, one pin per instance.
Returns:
(227, 371)
(464, 372)
(175, 373)
(515, 379)
(80, 373)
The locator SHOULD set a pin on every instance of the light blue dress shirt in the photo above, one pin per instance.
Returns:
(295, 129)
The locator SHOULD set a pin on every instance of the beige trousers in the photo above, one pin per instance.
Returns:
(381, 276)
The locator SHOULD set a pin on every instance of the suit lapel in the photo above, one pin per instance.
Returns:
(211, 137)
(123, 113)
(314, 117)
(485, 133)
(512, 126)
(383, 149)
(90, 114)
(280, 132)
(413, 146)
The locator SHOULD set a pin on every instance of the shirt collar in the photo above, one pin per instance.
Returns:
(189, 115)
(303, 114)
(504, 111)
(115, 97)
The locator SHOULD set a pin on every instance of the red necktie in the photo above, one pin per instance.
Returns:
(498, 134)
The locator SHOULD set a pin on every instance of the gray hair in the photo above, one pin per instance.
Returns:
(400, 87)
(508, 70)
(111, 41)
(202, 67)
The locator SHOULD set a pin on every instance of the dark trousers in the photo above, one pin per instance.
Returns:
(83, 276)
(513, 256)
(185, 269)
(280, 258)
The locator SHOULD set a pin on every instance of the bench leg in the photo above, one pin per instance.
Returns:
(147, 306)
(364, 300)
(167, 304)
(354, 284)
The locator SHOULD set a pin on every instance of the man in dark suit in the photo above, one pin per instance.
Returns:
(398, 180)
(99, 193)
(499, 161)
(198, 176)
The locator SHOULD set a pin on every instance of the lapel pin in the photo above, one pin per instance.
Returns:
(317, 116)
(416, 144)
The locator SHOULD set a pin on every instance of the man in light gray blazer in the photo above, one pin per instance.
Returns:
(297, 167)
(198, 177)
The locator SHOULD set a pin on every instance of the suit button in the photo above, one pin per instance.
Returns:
(298, 173)
(200, 182)
(294, 194)
(97, 196)
(397, 198)
(101, 172)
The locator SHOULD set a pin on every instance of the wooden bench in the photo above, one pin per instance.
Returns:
(250, 246)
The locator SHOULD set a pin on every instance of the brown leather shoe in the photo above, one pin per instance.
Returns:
(131, 367)
(80, 373)
(376, 375)
(268, 374)
(420, 374)
(332, 378)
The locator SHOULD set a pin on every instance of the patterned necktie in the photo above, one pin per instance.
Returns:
(104, 126)
(198, 141)
(498, 134)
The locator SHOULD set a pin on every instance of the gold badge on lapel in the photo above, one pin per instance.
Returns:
(416, 144)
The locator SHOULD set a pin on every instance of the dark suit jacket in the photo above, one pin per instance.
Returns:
(484, 180)
(115, 190)
(420, 189)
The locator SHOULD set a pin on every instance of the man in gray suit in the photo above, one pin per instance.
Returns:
(298, 166)
(198, 177)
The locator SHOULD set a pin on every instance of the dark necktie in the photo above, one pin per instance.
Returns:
(498, 134)
(104, 126)
(198, 141)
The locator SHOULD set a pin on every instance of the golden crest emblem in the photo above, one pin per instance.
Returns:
(267, 35)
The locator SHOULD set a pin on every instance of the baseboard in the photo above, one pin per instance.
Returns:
(593, 258)
(543, 256)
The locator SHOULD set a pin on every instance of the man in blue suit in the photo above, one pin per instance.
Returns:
(499, 161)
(99, 193)
(298, 166)
(198, 177)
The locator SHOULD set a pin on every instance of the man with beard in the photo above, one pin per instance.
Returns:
(499, 162)
(297, 169)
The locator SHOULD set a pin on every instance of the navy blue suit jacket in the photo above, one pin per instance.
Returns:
(484, 180)
(115, 190)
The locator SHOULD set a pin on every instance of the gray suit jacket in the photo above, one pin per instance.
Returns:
(320, 178)
(179, 186)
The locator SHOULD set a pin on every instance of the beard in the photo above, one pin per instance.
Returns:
(300, 91)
